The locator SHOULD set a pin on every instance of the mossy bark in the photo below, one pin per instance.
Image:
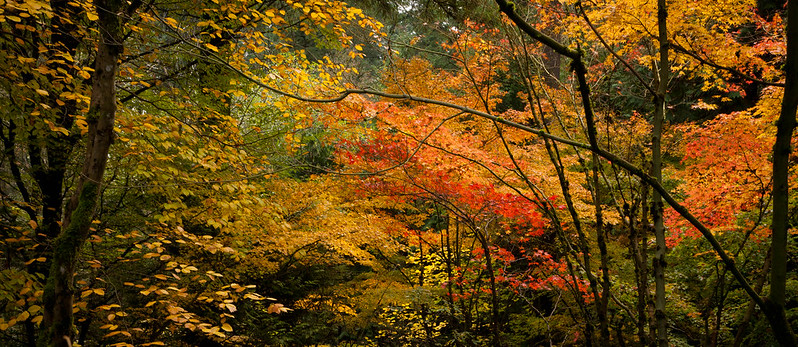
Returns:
(57, 324)
(59, 290)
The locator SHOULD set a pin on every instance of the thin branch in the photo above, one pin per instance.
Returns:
(135, 93)
(609, 49)
(676, 47)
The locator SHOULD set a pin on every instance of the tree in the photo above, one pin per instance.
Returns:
(61, 102)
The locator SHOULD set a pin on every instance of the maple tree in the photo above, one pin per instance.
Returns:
(407, 93)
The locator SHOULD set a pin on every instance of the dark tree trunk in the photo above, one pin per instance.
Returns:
(57, 325)
(603, 302)
(774, 305)
(656, 171)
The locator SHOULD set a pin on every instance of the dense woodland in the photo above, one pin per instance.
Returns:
(398, 173)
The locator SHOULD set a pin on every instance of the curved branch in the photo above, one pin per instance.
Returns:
(677, 47)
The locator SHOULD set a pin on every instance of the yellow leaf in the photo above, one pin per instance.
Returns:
(231, 307)
(42, 92)
(112, 333)
(92, 16)
(227, 327)
(171, 21)
(211, 47)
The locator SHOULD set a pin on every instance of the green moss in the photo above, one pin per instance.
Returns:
(65, 250)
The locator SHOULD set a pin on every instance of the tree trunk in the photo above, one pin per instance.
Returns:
(57, 325)
(749, 312)
(656, 171)
(774, 305)
(602, 303)
(482, 237)
(50, 171)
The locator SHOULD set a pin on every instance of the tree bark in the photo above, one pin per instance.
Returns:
(774, 305)
(656, 171)
(482, 237)
(57, 324)
(604, 301)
